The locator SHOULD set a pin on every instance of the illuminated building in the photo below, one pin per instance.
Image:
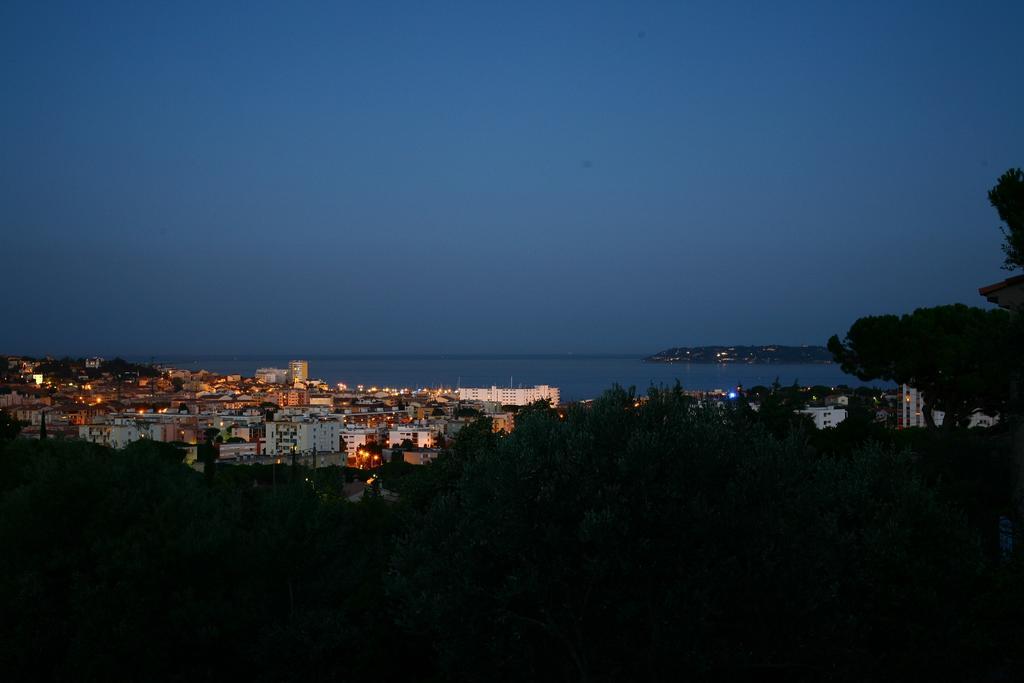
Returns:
(356, 438)
(421, 437)
(302, 437)
(298, 370)
(508, 396)
(911, 409)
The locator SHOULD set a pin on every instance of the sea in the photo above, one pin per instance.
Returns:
(578, 377)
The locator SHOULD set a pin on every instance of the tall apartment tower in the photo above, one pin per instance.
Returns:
(298, 370)
(910, 412)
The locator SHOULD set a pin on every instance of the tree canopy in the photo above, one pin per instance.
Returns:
(672, 542)
(9, 426)
(621, 540)
(1007, 197)
(958, 356)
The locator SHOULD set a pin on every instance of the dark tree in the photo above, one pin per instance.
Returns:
(207, 453)
(97, 542)
(662, 542)
(9, 427)
(1007, 197)
(958, 357)
(778, 408)
(121, 368)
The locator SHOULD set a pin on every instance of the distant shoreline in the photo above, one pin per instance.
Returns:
(194, 358)
(736, 361)
(768, 354)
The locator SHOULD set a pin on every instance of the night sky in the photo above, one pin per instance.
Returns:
(435, 177)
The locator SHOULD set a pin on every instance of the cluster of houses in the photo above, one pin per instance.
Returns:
(275, 415)
(281, 414)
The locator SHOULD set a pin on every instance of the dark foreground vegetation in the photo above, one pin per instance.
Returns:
(659, 542)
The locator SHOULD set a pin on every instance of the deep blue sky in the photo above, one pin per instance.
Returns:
(508, 177)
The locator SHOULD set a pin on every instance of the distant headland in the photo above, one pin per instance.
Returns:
(771, 353)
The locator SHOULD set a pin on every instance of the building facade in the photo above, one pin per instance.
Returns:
(910, 412)
(272, 375)
(825, 417)
(292, 397)
(509, 396)
(113, 435)
(355, 438)
(421, 437)
(298, 371)
(302, 437)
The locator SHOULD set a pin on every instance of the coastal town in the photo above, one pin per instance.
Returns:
(274, 414)
(286, 413)
(584, 342)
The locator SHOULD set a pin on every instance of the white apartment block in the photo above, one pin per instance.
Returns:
(825, 417)
(156, 426)
(113, 435)
(302, 437)
(509, 396)
(285, 438)
(910, 412)
(421, 437)
(117, 431)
